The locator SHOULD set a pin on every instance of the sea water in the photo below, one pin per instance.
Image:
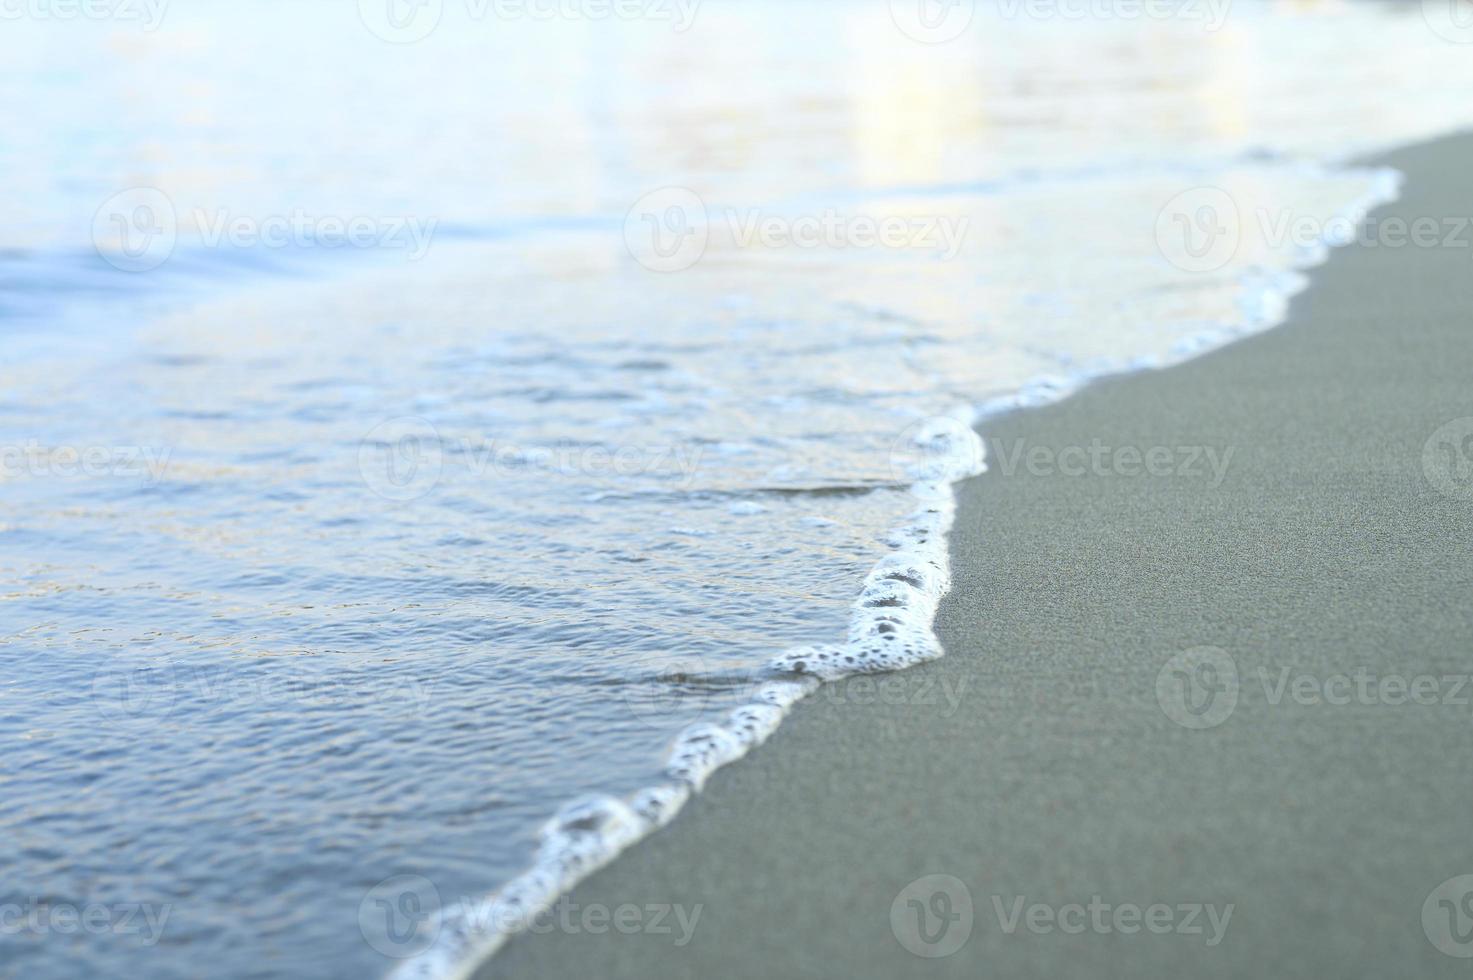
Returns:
(433, 444)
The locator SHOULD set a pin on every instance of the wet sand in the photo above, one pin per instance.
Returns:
(1313, 769)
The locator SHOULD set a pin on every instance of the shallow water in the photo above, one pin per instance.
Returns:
(371, 557)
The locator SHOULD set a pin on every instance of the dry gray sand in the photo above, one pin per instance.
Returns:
(1060, 777)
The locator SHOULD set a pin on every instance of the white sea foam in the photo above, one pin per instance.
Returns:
(890, 629)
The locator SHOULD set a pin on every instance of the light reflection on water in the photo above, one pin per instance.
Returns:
(375, 562)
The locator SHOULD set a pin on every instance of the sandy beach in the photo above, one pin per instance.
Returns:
(1203, 710)
(736, 488)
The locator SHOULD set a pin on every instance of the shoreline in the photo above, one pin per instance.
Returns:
(955, 450)
(1060, 775)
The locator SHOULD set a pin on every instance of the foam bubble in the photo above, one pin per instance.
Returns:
(889, 629)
